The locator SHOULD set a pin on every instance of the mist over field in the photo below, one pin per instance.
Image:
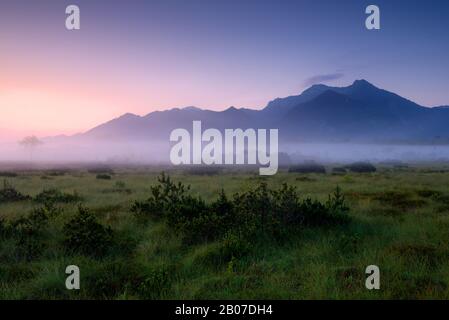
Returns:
(358, 122)
(155, 153)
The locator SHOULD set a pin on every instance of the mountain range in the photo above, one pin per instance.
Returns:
(359, 113)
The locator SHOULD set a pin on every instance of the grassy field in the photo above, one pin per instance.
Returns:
(399, 221)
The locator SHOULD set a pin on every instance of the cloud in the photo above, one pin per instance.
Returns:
(322, 78)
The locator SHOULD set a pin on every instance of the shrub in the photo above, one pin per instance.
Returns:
(8, 174)
(48, 209)
(56, 196)
(28, 233)
(144, 210)
(234, 245)
(333, 212)
(361, 167)
(84, 234)
(258, 212)
(9, 194)
(155, 283)
(164, 196)
(310, 167)
(195, 221)
(104, 177)
(120, 187)
(112, 278)
(4, 230)
(57, 173)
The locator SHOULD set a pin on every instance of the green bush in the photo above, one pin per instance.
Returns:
(260, 212)
(57, 173)
(155, 283)
(112, 278)
(8, 174)
(84, 234)
(28, 233)
(194, 220)
(120, 187)
(104, 177)
(309, 167)
(361, 167)
(164, 196)
(9, 194)
(4, 230)
(234, 245)
(48, 209)
(54, 195)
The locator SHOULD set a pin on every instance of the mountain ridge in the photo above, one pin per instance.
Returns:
(360, 112)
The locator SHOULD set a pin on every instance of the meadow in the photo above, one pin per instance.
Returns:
(398, 219)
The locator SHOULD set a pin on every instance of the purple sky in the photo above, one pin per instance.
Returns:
(140, 56)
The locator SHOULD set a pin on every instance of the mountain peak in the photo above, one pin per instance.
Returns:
(315, 90)
(128, 116)
(191, 108)
(231, 109)
(362, 83)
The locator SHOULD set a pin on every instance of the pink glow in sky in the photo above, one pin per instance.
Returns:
(143, 56)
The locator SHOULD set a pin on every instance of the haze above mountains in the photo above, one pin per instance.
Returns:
(359, 113)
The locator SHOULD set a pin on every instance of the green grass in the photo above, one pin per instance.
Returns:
(400, 222)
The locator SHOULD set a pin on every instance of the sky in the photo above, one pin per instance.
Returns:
(140, 56)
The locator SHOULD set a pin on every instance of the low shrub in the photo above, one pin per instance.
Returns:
(56, 196)
(9, 194)
(234, 245)
(194, 220)
(104, 177)
(164, 195)
(8, 174)
(310, 167)
(48, 209)
(361, 167)
(403, 200)
(84, 234)
(155, 283)
(121, 187)
(57, 173)
(112, 278)
(28, 233)
(254, 213)
(428, 193)
(4, 230)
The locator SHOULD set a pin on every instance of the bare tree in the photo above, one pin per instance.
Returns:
(30, 143)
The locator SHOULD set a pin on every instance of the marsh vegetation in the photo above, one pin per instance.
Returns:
(143, 235)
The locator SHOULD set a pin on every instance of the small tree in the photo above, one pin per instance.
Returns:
(30, 143)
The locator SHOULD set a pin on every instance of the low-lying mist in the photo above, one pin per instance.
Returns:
(157, 153)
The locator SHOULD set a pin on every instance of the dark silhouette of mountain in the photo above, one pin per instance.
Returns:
(360, 112)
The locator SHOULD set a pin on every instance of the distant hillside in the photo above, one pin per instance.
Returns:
(360, 112)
